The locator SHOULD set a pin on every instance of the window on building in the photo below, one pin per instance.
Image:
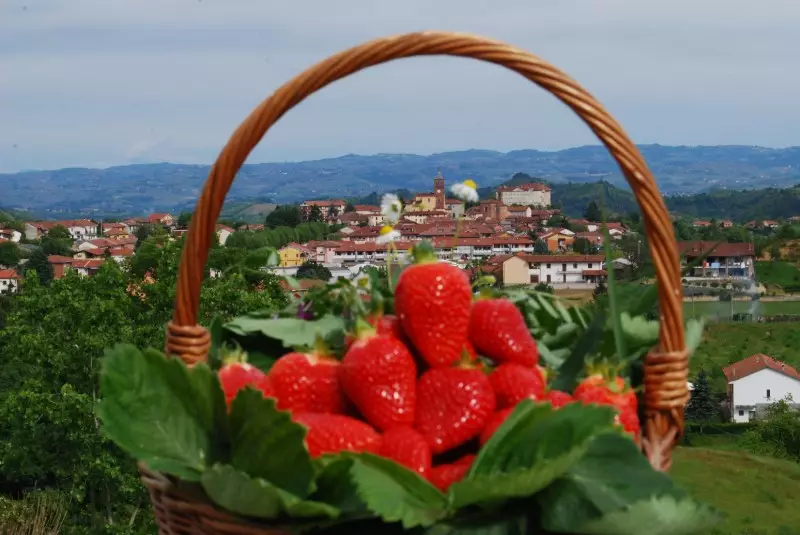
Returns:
(590, 266)
(574, 266)
(741, 413)
(563, 267)
(768, 396)
(548, 266)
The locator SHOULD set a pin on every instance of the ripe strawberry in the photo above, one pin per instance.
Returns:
(379, 375)
(307, 382)
(453, 406)
(235, 375)
(497, 329)
(444, 475)
(615, 393)
(495, 421)
(558, 398)
(432, 300)
(406, 446)
(513, 382)
(469, 351)
(384, 324)
(332, 433)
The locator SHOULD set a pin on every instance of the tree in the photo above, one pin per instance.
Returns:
(775, 252)
(592, 212)
(315, 214)
(600, 290)
(10, 255)
(349, 207)
(39, 264)
(287, 215)
(184, 218)
(540, 247)
(777, 435)
(582, 246)
(543, 287)
(312, 270)
(701, 407)
(59, 232)
(145, 259)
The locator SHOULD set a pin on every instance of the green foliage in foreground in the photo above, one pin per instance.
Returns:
(567, 471)
(50, 353)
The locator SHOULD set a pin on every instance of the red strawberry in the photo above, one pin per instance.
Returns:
(307, 382)
(406, 446)
(514, 382)
(469, 351)
(495, 421)
(332, 433)
(444, 475)
(497, 329)
(379, 375)
(384, 324)
(432, 300)
(558, 398)
(453, 406)
(235, 375)
(615, 393)
(266, 387)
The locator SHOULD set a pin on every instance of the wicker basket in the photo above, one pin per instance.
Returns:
(178, 510)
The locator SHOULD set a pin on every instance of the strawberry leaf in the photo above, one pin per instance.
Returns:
(503, 522)
(292, 332)
(612, 476)
(266, 443)
(335, 486)
(161, 412)
(254, 497)
(395, 493)
(532, 448)
(662, 515)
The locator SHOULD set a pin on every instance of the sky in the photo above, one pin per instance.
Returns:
(97, 83)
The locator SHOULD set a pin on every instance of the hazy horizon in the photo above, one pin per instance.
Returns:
(102, 84)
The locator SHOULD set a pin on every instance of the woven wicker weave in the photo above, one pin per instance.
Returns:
(180, 512)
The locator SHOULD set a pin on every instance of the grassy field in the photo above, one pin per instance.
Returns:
(776, 273)
(756, 494)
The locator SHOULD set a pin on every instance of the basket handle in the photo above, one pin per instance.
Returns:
(666, 370)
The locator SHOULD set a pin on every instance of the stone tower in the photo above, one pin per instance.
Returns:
(438, 190)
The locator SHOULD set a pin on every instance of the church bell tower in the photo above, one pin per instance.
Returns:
(438, 190)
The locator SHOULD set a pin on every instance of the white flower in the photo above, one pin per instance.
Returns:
(388, 234)
(466, 191)
(391, 208)
(362, 280)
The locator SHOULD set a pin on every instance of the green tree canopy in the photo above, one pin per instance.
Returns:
(702, 407)
(286, 215)
(592, 212)
(10, 254)
(312, 270)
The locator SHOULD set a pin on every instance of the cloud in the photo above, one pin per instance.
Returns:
(117, 81)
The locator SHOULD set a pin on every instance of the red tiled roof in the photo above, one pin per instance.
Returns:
(58, 259)
(348, 247)
(755, 363)
(366, 208)
(92, 263)
(720, 249)
(553, 258)
(219, 227)
(9, 274)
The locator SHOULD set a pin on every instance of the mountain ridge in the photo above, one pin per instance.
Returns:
(140, 188)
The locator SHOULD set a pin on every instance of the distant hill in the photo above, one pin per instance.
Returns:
(136, 189)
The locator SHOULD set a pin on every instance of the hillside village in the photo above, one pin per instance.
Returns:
(517, 236)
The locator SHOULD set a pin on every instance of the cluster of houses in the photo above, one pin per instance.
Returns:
(509, 237)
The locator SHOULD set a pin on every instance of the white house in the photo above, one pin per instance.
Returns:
(223, 233)
(757, 381)
(9, 281)
(566, 269)
(79, 229)
(9, 234)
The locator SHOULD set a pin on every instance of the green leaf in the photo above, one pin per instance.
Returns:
(291, 331)
(694, 334)
(168, 416)
(254, 497)
(638, 330)
(611, 476)
(215, 329)
(532, 448)
(266, 443)
(395, 493)
(501, 523)
(663, 516)
(571, 369)
(335, 486)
